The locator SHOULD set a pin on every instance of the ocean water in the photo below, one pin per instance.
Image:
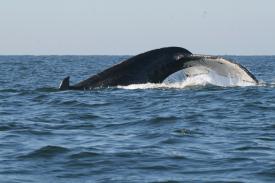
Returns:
(149, 133)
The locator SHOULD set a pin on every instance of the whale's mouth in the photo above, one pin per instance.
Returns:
(205, 71)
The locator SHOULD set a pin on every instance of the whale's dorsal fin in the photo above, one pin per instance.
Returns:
(65, 84)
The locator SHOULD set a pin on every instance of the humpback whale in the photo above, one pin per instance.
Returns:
(162, 65)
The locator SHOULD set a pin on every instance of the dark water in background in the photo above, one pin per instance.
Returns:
(195, 134)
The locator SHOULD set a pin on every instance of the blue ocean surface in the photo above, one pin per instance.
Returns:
(193, 134)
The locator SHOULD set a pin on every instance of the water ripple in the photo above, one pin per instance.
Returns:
(159, 134)
(46, 152)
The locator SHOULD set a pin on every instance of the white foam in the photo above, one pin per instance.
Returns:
(178, 80)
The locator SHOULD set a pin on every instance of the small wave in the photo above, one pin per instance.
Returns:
(84, 126)
(34, 132)
(5, 128)
(30, 91)
(159, 167)
(160, 119)
(266, 139)
(14, 126)
(84, 155)
(77, 103)
(22, 92)
(171, 140)
(46, 152)
(88, 117)
(47, 89)
(270, 173)
(253, 148)
(9, 90)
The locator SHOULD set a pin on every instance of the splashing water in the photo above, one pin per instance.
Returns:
(180, 80)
